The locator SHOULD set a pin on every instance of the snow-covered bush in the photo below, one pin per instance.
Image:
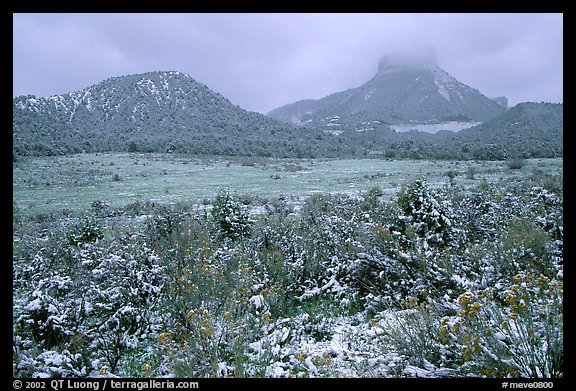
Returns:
(408, 256)
(480, 214)
(47, 314)
(230, 216)
(412, 333)
(427, 214)
(100, 310)
(126, 288)
(278, 259)
(212, 310)
(515, 330)
(87, 230)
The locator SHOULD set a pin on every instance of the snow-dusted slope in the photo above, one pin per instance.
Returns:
(154, 112)
(136, 100)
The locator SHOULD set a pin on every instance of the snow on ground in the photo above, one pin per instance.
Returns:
(453, 126)
(351, 346)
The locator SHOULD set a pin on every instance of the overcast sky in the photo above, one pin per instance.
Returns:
(263, 61)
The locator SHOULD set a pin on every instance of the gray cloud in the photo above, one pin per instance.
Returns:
(262, 61)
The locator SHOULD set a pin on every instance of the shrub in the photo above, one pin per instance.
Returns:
(426, 213)
(411, 333)
(213, 309)
(230, 216)
(516, 330)
(162, 224)
(516, 163)
(99, 313)
(529, 244)
(85, 231)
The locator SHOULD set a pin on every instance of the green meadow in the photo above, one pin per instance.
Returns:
(71, 183)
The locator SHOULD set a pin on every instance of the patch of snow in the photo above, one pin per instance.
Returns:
(453, 126)
(222, 369)
(442, 90)
(257, 301)
(95, 364)
(500, 336)
(311, 367)
(34, 305)
(443, 81)
(334, 132)
(369, 94)
(413, 371)
(317, 291)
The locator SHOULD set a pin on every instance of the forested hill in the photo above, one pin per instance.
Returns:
(528, 129)
(171, 112)
(155, 112)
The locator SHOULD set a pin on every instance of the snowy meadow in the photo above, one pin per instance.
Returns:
(155, 265)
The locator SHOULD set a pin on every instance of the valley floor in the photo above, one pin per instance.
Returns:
(134, 265)
(55, 184)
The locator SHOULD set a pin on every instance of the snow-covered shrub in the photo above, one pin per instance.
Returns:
(331, 226)
(519, 232)
(126, 288)
(547, 208)
(277, 262)
(480, 214)
(163, 224)
(100, 310)
(230, 216)
(396, 267)
(412, 333)
(51, 363)
(515, 330)
(213, 308)
(426, 213)
(87, 230)
(47, 314)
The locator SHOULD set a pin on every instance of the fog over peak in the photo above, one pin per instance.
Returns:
(414, 57)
